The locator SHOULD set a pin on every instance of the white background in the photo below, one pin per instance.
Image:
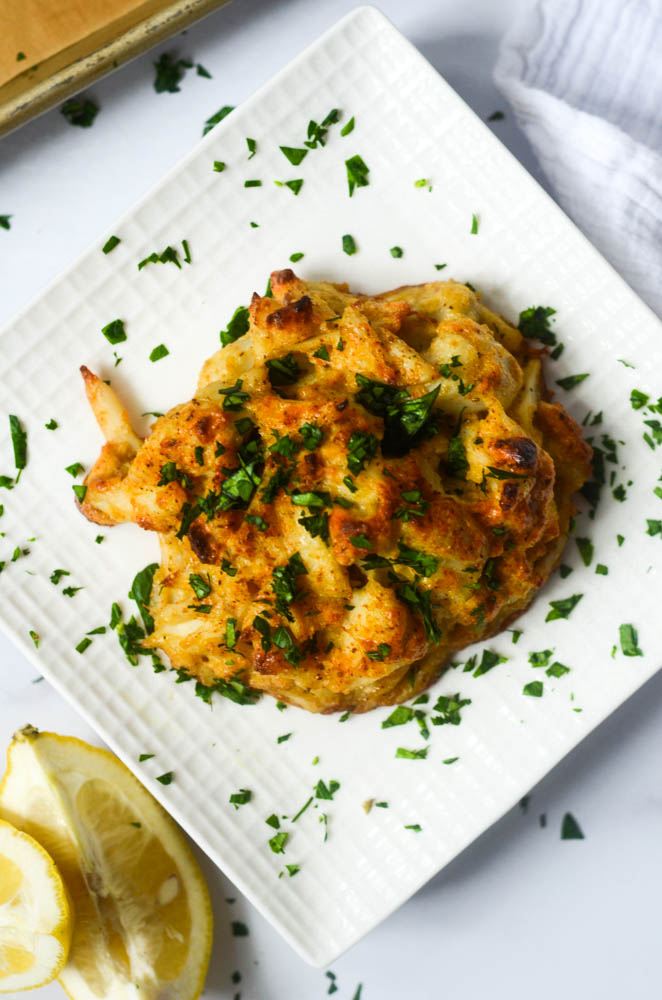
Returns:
(521, 913)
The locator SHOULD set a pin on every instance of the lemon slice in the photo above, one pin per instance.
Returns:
(35, 917)
(143, 917)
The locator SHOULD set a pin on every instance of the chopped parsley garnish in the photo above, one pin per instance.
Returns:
(241, 797)
(396, 251)
(284, 738)
(324, 791)
(110, 244)
(557, 669)
(448, 709)
(602, 570)
(450, 760)
(418, 601)
(4, 222)
(234, 396)
(404, 417)
(169, 73)
(252, 148)
(171, 474)
(654, 527)
(187, 252)
(570, 381)
(160, 351)
(231, 633)
(293, 869)
(563, 608)
(114, 332)
(294, 155)
(317, 526)
(252, 184)
(416, 827)
(278, 841)
(403, 754)
(417, 507)
(495, 473)
(258, 521)
(357, 173)
(80, 111)
(534, 323)
(629, 640)
(80, 491)
(570, 828)
(474, 224)
(456, 459)
(83, 645)
(541, 658)
(200, 587)
(219, 166)
(283, 371)
(322, 352)
(216, 118)
(35, 638)
(496, 116)
(285, 586)
(19, 440)
(317, 133)
(488, 661)
(237, 326)
(348, 244)
(71, 592)
(201, 71)
(638, 399)
(141, 590)
(585, 546)
(361, 541)
(383, 650)
(534, 689)
(361, 448)
(52, 425)
(294, 257)
(311, 435)
(239, 929)
(398, 717)
(273, 821)
(165, 779)
(348, 127)
(303, 808)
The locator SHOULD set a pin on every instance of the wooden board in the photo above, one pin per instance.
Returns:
(67, 44)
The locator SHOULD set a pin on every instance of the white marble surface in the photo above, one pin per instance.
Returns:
(520, 913)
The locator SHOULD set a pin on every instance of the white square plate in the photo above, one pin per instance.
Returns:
(409, 125)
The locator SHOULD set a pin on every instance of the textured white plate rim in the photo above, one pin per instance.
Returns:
(31, 653)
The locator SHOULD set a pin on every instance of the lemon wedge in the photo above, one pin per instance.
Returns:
(143, 918)
(35, 916)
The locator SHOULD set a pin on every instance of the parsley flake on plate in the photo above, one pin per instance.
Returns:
(629, 640)
(166, 778)
(570, 828)
(110, 244)
(396, 252)
(496, 116)
(349, 244)
(216, 118)
(241, 797)
(219, 166)
(474, 224)
(169, 73)
(252, 148)
(294, 155)
(534, 323)
(160, 351)
(534, 689)
(4, 222)
(357, 173)
(80, 111)
(570, 381)
(403, 754)
(114, 331)
(19, 440)
(52, 425)
(239, 929)
(563, 607)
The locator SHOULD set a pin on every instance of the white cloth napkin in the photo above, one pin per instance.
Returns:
(584, 78)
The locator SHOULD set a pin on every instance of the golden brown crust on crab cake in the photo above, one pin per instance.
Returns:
(362, 486)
